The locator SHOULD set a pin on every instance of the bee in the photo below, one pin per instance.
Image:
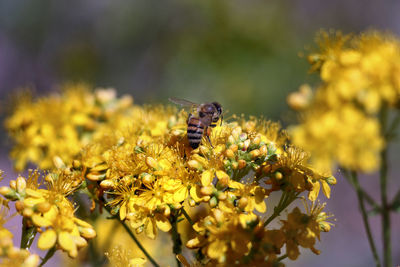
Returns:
(204, 116)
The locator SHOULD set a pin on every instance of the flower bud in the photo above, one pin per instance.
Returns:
(255, 153)
(213, 202)
(242, 164)
(229, 153)
(95, 176)
(231, 139)
(27, 212)
(7, 191)
(257, 140)
(192, 203)
(234, 148)
(243, 202)
(58, 162)
(206, 190)
(243, 136)
(13, 185)
(87, 232)
(249, 126)
(151, 162)
(43, 207)
(263, 150)
(221, 196)
(107, 184)
(278, 175)
(246, 144)
(267, 168)
(194, 164)
(331, 180)
(76, 164)
(219, 215)
(235, 165)
(19, 206)
(236, 132)
(147, 178)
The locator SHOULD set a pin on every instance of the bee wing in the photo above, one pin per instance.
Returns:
(182, 102)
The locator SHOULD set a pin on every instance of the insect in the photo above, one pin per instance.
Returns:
(204, 116)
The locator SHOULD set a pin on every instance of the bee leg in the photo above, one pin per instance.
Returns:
(222, 117)
(208, 136)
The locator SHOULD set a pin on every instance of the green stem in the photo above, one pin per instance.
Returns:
(128, 230)
(282, 257)
(385, 212)
(286, 199)
(366, 196)
(28, 235)
(187, 216)
(392, 128)
(360, 198)
(387, 253)
(176, 237)
(48, 255)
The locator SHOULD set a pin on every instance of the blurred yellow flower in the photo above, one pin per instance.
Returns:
(339, 121)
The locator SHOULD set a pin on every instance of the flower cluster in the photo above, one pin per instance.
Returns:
(61, 125)
(360, 80)
(137, 163)
(49, 212)
(9, 254)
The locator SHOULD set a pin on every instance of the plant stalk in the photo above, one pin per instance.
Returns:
(129, 231)
(387, 251)
(364, 215)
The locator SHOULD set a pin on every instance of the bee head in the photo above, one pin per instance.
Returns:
(218, 107)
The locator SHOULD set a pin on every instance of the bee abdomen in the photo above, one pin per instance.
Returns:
(194, 134)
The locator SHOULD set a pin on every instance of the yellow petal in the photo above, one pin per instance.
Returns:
(326, 189)
(137, 262)
(223, 177)
(66, 242)
(40, 221)
(181, 194)
(216, 249)
(82, 223)
(87, 232)
(80, 242)
(162, 223)
(47, 239)
(207, 177)
(259, 197)
(196, 194)
(314, 192)
(122, 211)
(150, 229)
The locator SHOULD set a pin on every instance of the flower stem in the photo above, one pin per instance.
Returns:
(286, 199)
(366, 196)
(28, 235)
(360, 197)
(129, 231)
(187, 216)
(48, 255)
(176, 237)
(387, 253)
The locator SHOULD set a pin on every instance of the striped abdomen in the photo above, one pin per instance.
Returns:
(195, 131)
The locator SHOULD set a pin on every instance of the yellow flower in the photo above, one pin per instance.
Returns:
(40, 134)
(340, 123)
(50, 209)
(9, 254)
(303, 229)
(120, 257)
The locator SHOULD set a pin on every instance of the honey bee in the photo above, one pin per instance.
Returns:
(201, 117)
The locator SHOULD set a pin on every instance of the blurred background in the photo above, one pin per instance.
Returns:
(244, 54)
